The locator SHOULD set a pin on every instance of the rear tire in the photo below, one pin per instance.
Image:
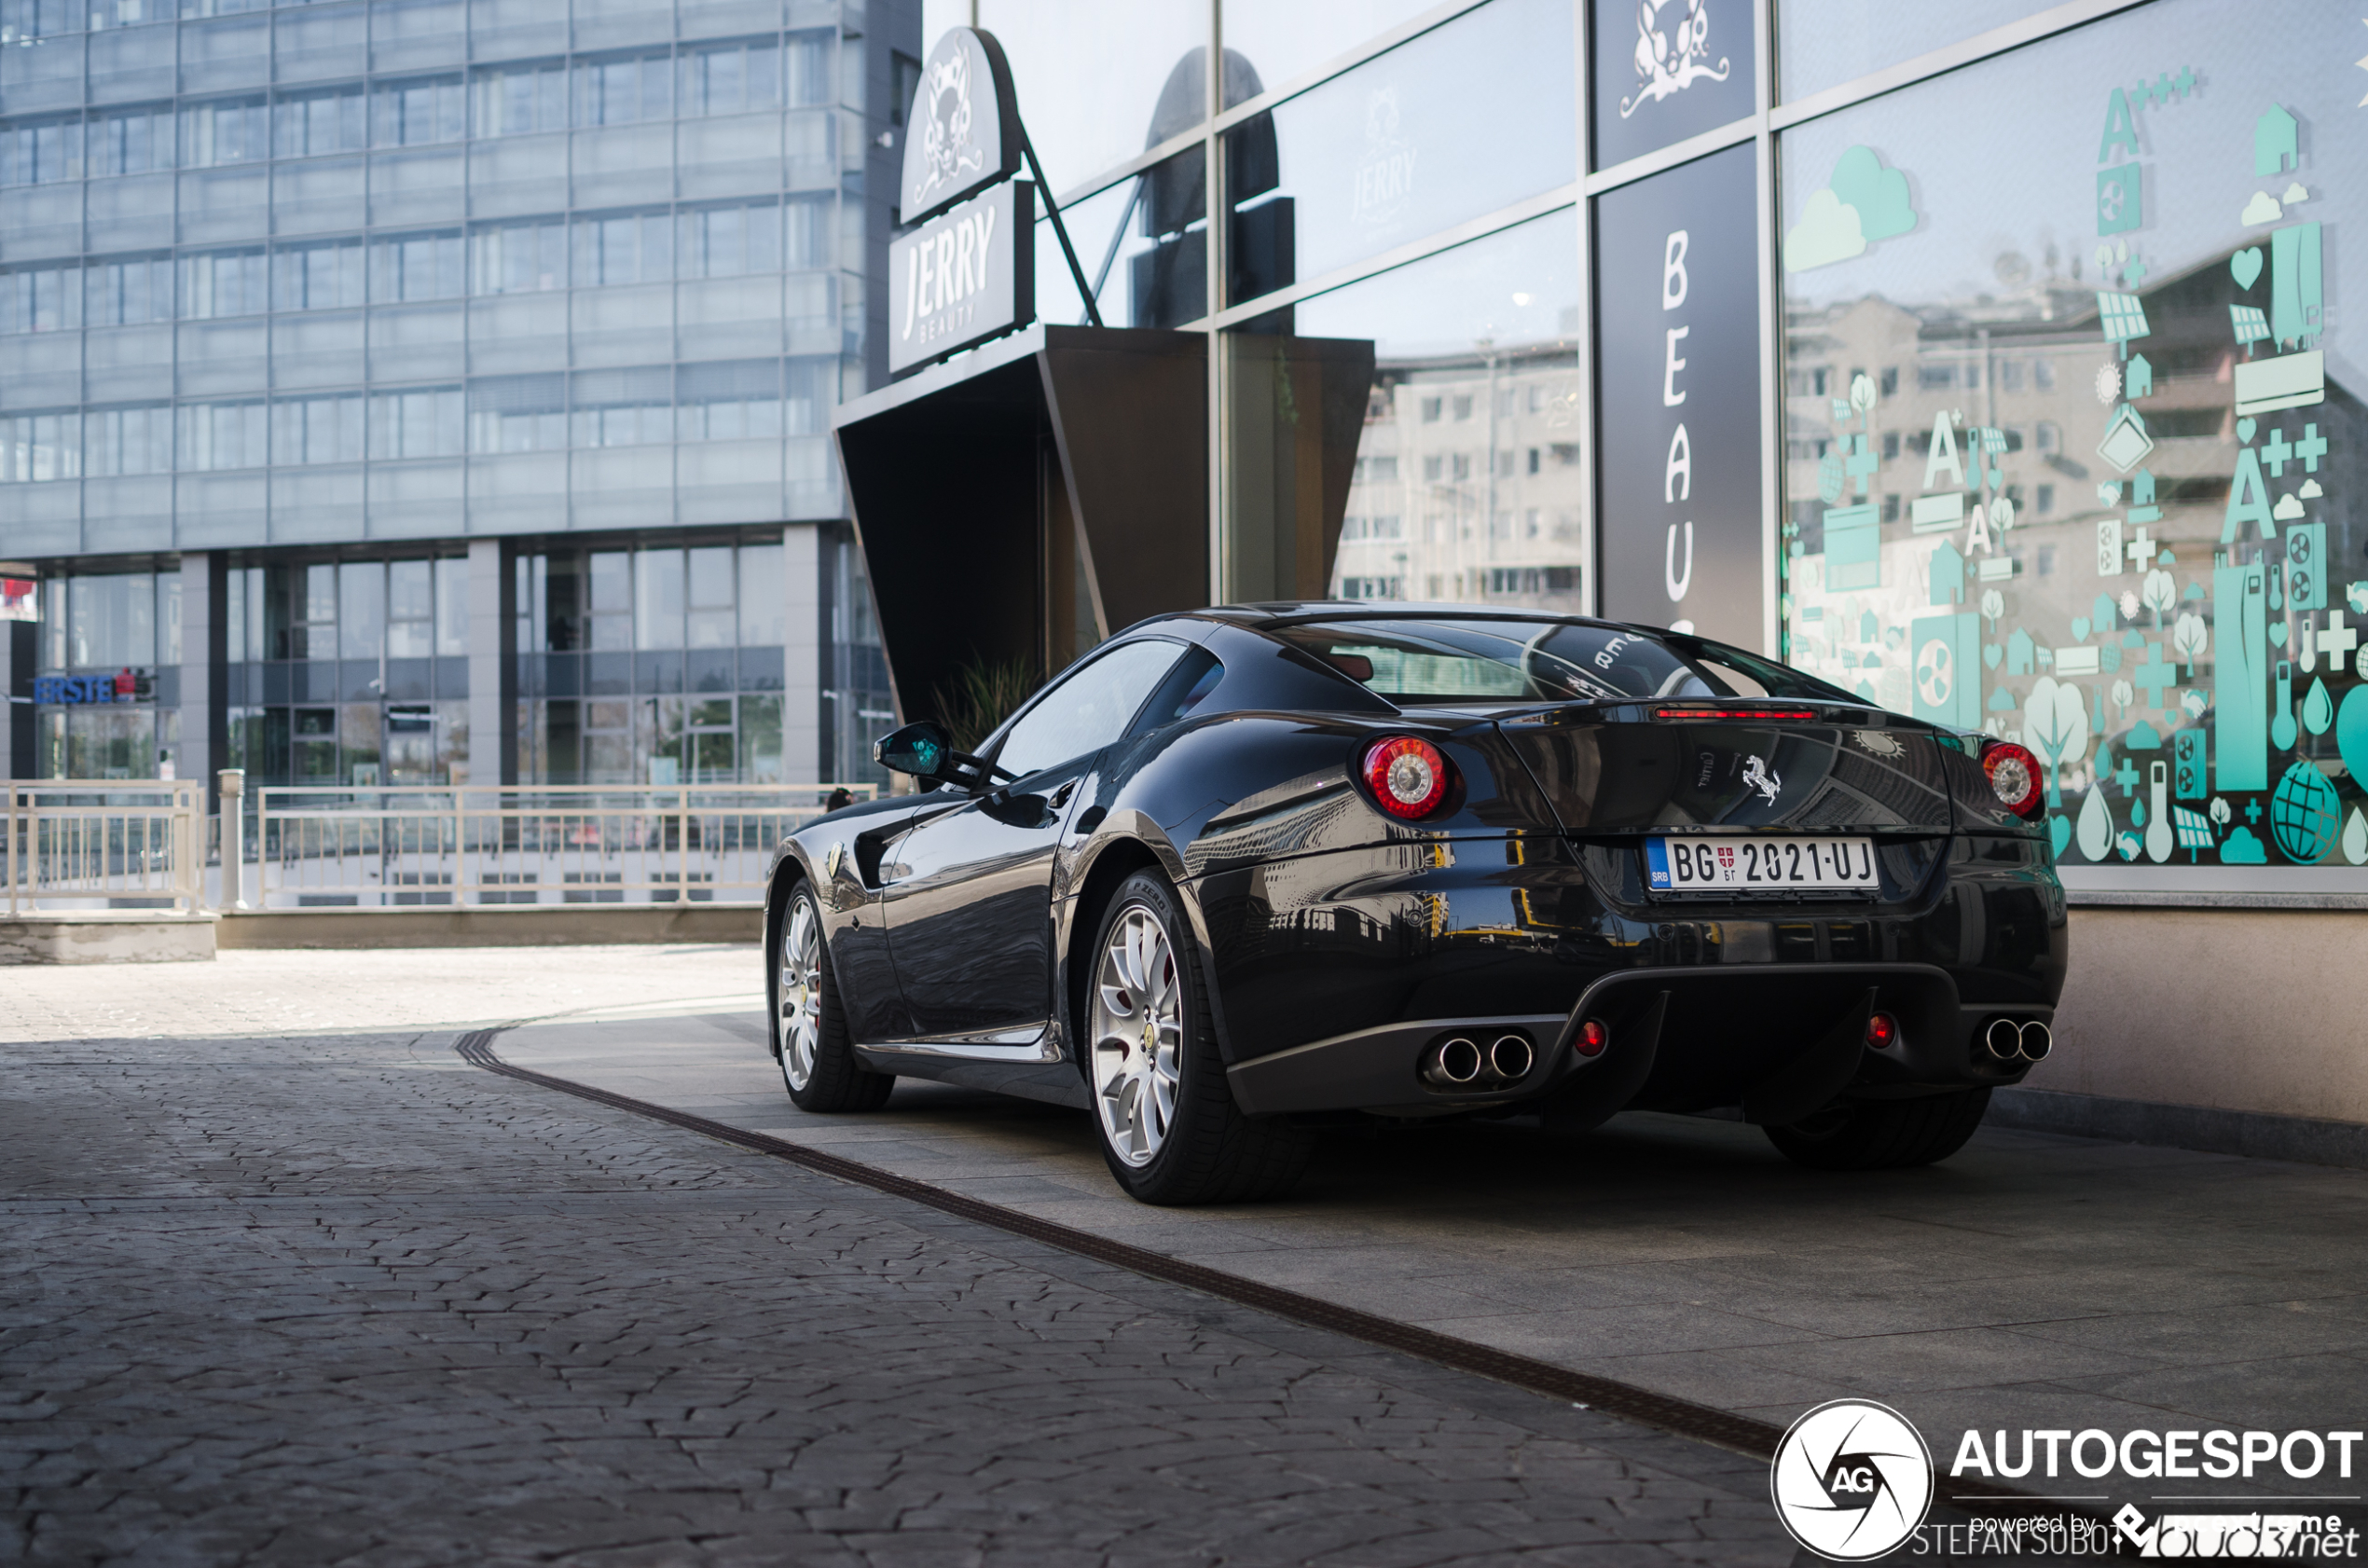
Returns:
(1882, 1134)
(1163, 1110)
(818, 1064)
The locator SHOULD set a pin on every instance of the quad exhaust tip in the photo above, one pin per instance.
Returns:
(1452, 1064)
(1511, 1057)
(2009, 1039)
(1458, 1062)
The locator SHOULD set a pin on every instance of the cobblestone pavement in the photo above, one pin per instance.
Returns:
(272, 1296)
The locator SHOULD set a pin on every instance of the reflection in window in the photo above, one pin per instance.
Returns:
(623, 408)
(1474, 346)
(35, 152)
(658, 599)
(1826, 43)
(125, 293)
(134, 440)
(630, 248)
(417, 422)
(729, 242)
(216, 436)
(813, 234)
(518, 257)
(320, 122)
(409, 113)
(406, 267)
(730, 401)
(40, 299)
(40, 19)
(1285, 42)
(362, 609)
(111, 619)
(226, 130)
(1085, 99)
(410, 609)
(309, 430)
(514, 100)
(623, 90)
(40, 446)
(131, 140)
(518, 413)
(2104, 510)
(1391, 150)
(316, 277)
(223, 284)
(732, 78)
(712, 622)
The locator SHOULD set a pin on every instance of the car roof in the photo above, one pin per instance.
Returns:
(1289, 612)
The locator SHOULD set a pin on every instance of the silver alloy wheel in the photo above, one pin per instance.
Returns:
(799, 993)
(1138, 1037)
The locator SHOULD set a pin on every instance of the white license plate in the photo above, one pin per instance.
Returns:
(1729, 864)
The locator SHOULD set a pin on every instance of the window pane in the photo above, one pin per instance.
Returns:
(657, 608)
(362, 587)
(520, 257)
(1087, 709)
(452, 605)
(1091, 105)
(1282, 42)
(1823, 43)
(410, 609)
(416, 267)
(1465, 485)
(763, 612)
(514, 100)
(409, 113)
(1391, 151)
(2100, 510)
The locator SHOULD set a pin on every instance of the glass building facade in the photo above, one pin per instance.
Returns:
(300, 304)
(1924, 349)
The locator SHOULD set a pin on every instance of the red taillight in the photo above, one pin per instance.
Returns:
(1408, 776)
(2013, 774)
(1592, 1037)
(1734, 713)
(1882, 1031)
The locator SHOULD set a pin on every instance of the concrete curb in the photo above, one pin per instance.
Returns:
(474, 926)
(100, 936)
(2255, 1135)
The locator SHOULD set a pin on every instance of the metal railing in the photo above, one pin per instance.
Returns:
(86, 845)
(426, 845)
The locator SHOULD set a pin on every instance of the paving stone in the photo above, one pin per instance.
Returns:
(307, 1298)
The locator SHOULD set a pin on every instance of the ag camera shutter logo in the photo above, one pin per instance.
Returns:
(1852, 1481)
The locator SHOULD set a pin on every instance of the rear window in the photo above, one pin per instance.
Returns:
(1452, 661)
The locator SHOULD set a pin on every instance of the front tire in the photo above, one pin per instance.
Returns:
(1882, 1134)
(1164, 1115)
(818, 1064)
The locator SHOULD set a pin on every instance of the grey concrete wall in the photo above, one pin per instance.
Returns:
(107, 938)
(493, 667)
(2244, 1010)
(471, 925)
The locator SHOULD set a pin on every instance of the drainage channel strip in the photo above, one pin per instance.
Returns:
(1679, 1417)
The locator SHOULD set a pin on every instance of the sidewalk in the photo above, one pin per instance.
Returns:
(2033, 1281)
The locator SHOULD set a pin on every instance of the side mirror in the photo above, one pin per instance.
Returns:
(923, 750)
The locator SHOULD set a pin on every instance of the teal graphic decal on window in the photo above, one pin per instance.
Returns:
(2073, 438)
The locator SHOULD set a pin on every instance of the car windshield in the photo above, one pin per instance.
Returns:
(1485, 660)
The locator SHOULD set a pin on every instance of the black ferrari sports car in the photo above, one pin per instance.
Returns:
(1246, 871)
